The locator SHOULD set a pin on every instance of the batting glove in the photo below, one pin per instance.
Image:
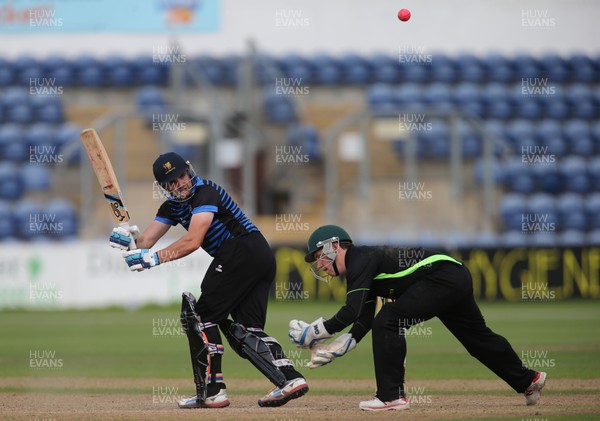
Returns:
(306, 335)
(322, 354)
(120, 238)
(141, 259)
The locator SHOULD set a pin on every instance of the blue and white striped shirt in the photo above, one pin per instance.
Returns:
(229, 221)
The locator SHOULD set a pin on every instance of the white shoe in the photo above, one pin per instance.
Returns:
(215, 401)
(376, 404)
(534, 391)
(279, 396)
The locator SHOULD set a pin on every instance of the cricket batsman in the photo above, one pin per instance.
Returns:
(236, 284)
(423, 284)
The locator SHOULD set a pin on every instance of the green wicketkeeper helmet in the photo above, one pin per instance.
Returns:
(321, 235)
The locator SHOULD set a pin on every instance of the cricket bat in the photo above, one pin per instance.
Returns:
(106, 177)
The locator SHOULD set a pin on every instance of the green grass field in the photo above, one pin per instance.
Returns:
(562, 338)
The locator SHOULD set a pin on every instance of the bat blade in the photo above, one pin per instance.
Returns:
(106, 175)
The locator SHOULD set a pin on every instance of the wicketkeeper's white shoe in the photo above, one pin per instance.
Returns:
(215, 401)
(279, 396)
(534, 391)
(376, 404)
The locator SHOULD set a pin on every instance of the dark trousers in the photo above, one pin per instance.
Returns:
(237, 284)
(447, 294)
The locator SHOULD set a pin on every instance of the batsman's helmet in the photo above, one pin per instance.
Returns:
(168, 167)
(321, 235)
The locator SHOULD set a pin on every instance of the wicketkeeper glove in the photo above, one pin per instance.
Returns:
(322, 354)
(141, 259)
(306, 335)
(120, 237)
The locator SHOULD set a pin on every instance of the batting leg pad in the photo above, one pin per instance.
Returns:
(253, 348)
(199, 346)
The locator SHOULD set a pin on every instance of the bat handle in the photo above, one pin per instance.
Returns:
(125, 225)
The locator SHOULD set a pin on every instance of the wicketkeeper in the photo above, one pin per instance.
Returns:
(236, 284)
(422, 284)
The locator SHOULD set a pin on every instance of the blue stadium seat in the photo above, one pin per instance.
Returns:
(548, 177)
(30, 75)
(122, 76)
(12, 144)
(556, 108)
(380, 97)
(24, 62)
(20, 114)
(7, 76)
(443, 70)
(414, 73)
(92, 77)
(517, 177)
(593, 238)
(36, 178)
(497, 172)
(541, 209)
(548, 129)
(437, 93)
(13, 96)
(542, 239)
(278, 108)
(7, 225)
(571, 211)
(51, 113)
(29, 220)
(464, 93)
(53, 62)
(470, 69)
(326, 70)
(592, 209)
(579, 138)
(150, 98)
(357, 70)
(514, 239)
(470, 140)
(66, 133)
(498, 68)
(572, 238)
(385, 69)
(555, 68)
(307, 137)
(594, 172)
(65, 216)
(574, 170)
(147, 72)
(40, 134)
(512, 208)
(10, 181)
(408, 94)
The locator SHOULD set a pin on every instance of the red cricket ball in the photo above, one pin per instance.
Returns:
(404, 15)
